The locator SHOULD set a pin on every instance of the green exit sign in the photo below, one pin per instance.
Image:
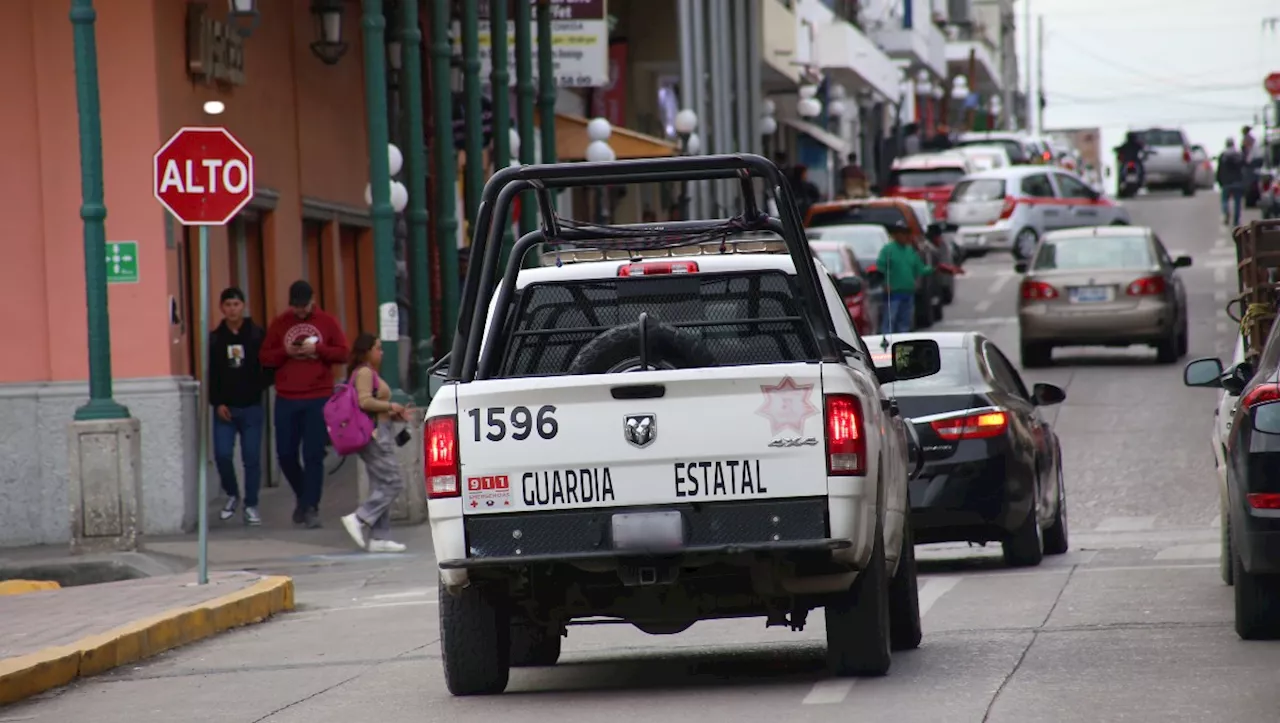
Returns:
(122, 262)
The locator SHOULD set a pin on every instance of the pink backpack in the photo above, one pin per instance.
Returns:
(350, 427)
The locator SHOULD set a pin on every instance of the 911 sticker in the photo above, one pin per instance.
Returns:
(489, 491)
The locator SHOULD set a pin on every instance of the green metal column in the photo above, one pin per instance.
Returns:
(473, 178)
(525, 95)
(446, 169)
(93, 210)
(500, 88)
(547, 79)
(384, 250)
(416, 162)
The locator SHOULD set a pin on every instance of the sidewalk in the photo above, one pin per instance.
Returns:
(50, 638)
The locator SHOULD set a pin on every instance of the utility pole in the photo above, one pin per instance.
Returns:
(1008, 48)
(1026, 24)
(500, 90)
(419, 250)
(526, 94)
(446, 168)
(1039, 74)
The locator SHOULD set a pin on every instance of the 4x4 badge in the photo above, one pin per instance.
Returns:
(640, 429)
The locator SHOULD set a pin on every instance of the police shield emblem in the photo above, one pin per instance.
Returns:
(640, 429)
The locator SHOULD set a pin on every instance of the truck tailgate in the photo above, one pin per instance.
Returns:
(642, 438)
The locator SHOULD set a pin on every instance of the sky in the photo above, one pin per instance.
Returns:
(1194, 64)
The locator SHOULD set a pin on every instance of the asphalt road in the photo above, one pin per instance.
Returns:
(1133, 624)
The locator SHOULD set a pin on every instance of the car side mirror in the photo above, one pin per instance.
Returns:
(849, 285)
(915, 359)
(1021, 267)
(1182, 262)
(1047, 395)
(1206, 372)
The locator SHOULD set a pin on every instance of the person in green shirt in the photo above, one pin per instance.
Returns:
(903, 269)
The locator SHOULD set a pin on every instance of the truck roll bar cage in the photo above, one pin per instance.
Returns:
(465, 359)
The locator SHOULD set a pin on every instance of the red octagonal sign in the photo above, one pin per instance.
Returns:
(1272, 84)
(204, 176)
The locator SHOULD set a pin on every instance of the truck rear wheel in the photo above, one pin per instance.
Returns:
(858, 627)
(475, 640)
(905, 631)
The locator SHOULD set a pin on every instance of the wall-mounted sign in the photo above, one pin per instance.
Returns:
(215, 51)
(579, 34)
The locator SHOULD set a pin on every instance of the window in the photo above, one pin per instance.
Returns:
(953, 374)
(1157, 137)
(925, 177)
(1037, 186)
(1073, 187)
(248, 264)
(978, 191)
(1163, 255)
(359, 308)
(1094, 252)
(314, 256)
(1003, 372)
(879, 215)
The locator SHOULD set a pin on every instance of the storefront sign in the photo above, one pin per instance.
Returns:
(610, 101)
(579, 34)
(215, 51)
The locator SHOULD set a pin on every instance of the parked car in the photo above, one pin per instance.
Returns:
(897, 217)
(1102, 287)
(1251, 432)
(1168, 163)
(1018, 146)
(985, 157)
(863, 299)
(1011, 208)
(992, 462)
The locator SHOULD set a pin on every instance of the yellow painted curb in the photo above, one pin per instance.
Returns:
(20, 587)
(28, 675)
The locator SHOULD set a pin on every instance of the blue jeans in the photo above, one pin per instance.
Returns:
(300, 425)
(1234, 192)
(247, 423)
(899, 313)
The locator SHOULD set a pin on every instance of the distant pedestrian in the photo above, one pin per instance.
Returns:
(903, 270)
(853, 179)
(379, 456)
(236, 383)
(302, 345)
(911, 139)
(1231, 179)
(941, 140)
(806, 191)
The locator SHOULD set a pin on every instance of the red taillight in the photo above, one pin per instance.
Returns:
(440, 457)
(1130, 166)
(971, 426)
(1261, 394)
(1264, 500)
(1149, 286)
(870, 268)
(1010, 205)
(1038, 291)
(652, 268)
(1186, 155)
(940, 210)
(1048, 156)
(846, 441)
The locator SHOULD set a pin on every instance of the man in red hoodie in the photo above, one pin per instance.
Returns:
(302, 345)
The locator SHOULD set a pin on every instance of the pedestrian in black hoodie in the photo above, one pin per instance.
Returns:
(236, 383)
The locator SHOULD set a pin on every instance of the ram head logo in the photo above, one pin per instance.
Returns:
(640, 429)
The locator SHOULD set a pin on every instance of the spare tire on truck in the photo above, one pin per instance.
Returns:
(646, 344)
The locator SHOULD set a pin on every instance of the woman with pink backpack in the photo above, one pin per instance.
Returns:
(366, 395)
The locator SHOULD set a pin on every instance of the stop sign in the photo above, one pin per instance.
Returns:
(204, 176)
(1272, 84)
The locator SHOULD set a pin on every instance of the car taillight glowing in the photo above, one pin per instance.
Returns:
(1010, 205)
(1261, 394)
(1048, 156)
(440, 457)
(1038, 291)
(1148, 286)
(981, 425)
(1186, 155)
(846, 440)
(653, 268)
(1264, 500)
(940, 210)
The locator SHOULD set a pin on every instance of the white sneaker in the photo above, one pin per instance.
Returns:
(355, 528)
(385, 546)
(229, 509)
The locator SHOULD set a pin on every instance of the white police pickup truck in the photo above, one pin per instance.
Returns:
(672, 423)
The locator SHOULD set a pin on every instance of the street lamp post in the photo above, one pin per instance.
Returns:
(547, 81)
(686, 123)
(93, 211)
(526, 94)
(599, 151)
(500, 89)
(446, 170)
(473, 173)
(420, 266)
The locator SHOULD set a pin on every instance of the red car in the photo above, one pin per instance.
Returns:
(863, 305)
(928, 177)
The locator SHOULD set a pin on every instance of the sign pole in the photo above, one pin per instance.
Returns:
(202, 476)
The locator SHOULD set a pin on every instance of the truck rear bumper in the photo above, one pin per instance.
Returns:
(823, 545)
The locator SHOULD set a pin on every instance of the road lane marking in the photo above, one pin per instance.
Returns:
(420, 592)
(828, 692)
(1220, 243)
(1125, 524)
(1220, 275)
(999, 283)
(1190, 552)
(982, 306)
(933, 589)
(1221, 251)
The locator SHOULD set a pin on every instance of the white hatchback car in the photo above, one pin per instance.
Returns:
(1009, 209)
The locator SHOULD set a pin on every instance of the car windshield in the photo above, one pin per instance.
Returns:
(978, 190)
(1012, 147)
(866, 241)
(1094, 252)
(1162, 138)
(879, 215)
(925, 177)
(954, 372)
(831, 259)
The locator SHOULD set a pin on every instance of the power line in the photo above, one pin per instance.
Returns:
(1115, 65)
(1170, 95)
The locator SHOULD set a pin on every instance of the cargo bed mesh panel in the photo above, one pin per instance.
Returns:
(753, 318)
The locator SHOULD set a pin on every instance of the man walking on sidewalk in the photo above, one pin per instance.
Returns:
(1231, 181)
(302, 345)
(236, 383)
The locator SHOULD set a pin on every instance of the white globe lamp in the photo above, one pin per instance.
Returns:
(686, 122)
(599, 151)
(809, 107)
(599, 129)
(808, 91)
(693, 145)
(368, 194)
(395, 159)
(769, 107)
(837, 108)
(768, 126)
(513, 140)
(399, 196)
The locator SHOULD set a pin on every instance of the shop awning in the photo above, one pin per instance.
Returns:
(826, 138)
(572, 140)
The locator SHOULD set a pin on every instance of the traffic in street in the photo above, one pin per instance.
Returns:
(1133, 622)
